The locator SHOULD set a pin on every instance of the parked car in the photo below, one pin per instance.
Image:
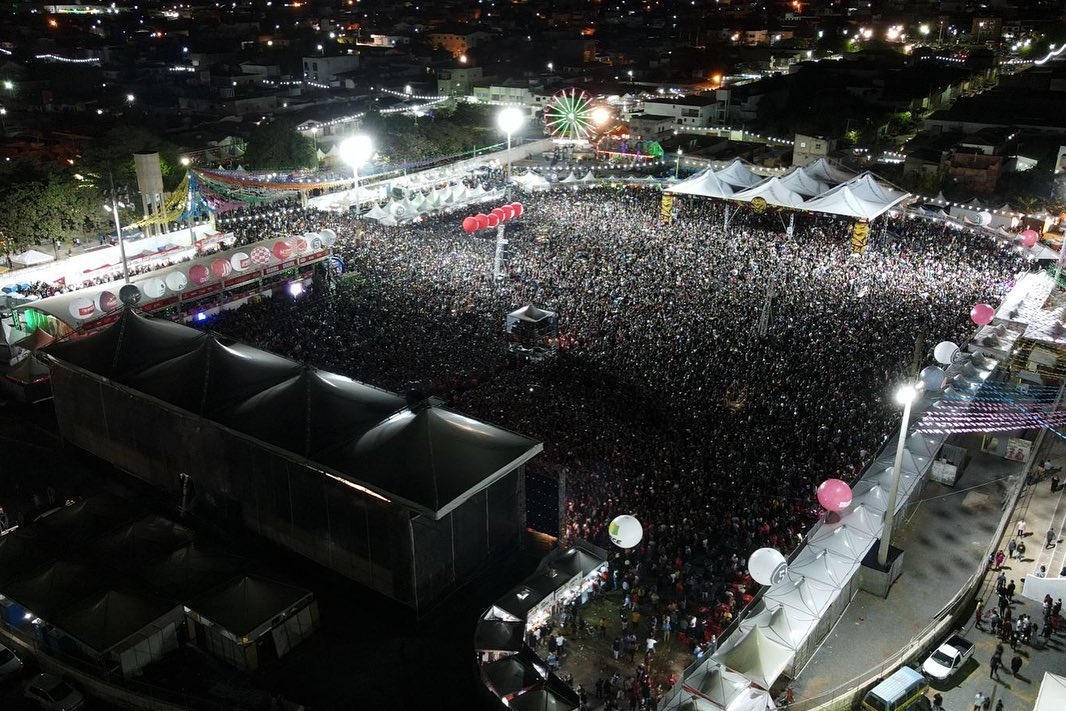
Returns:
(10, 664)
(948, 657)
(903, 691)
(52, 693)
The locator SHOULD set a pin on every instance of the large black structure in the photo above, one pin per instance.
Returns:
(406, 500)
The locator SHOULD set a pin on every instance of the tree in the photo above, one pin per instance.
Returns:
(279, 146)
(113, 153)
(39, 204)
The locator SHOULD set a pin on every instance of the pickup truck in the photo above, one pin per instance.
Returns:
(948, 657)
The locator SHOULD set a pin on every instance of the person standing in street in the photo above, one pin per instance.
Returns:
(1050, 538)
(978, 613)
(978, 701)
(1016, 664)
(993, 666)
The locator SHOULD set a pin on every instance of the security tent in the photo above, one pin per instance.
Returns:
(757, 657)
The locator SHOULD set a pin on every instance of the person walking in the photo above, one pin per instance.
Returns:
(1015, 664)
(1021, 530)
(1050, 538)
(993, 666)
(1000, 557)
(978, 702)
(977, 614)
(999, 705)
(938, 702)
(1021, 549)
(1011, 547)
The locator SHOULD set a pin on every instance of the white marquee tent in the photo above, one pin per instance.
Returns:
(756, 656)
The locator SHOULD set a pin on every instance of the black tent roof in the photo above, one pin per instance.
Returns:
(551, 695)
(499, 635)
(57, 586)
(519, 601)
(143, 540)
(192, 570)
(581, 558)
(511, 674)
(21, 551)
(246, 603)
(104, 620)
(88, 519)
(429, 461)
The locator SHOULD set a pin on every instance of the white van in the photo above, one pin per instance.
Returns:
(905, 689)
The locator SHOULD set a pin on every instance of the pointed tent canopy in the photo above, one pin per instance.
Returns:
(519, 601)
(871, 494)
(574, 561)
(774, 192)
(862, 197)
(825, 172)
(530, 314)
(864, 517)
(782, 625)
(844, 540)
(499, 636)
(570, 178)
(54, 588)
(739, 175)
(588, 177)
(717, 684)
(28, 371)
(798, 181)
(375, 212)
(511, 674)
(31, 257)
(431, 460)
(103, 621)
(145, 539)
(707, 184)
(757, 657)
(247, 603)
(801, 593)
(191, 570)
(550, 695)
(822, 564)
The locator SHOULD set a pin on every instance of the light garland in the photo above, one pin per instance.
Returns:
(57, 58)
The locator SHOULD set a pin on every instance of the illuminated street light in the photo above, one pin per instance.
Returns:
(130, 98)
(510, 120)
(906, 395)
(355, 151)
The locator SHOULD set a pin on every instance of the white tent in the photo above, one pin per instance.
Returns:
(844, 540)
(715, 683)
(705, 185)
(859, 202)
(376, 212)
(824, 565)
(798, 181)
(801, 593)
(825, 172)
(588, 177)
(1052, 694)
(757, 657)
(871, 494)
(864, 517)
(571, 178)
(774, 192)
(31, 257)
(532, 182)
(783, 625)
(739, 175)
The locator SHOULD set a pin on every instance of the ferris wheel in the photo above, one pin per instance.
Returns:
(570, 114)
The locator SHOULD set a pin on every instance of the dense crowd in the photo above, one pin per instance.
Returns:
(666, 399)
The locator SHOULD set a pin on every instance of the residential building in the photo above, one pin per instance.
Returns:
(808, 149)
(325, 69)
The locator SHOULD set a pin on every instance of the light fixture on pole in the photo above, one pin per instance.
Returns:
(510, 120)
(906, 395)
(113, 208)
(677, 167)
(355, 151)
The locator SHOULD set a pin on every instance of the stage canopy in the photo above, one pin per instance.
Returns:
(819, 187)
(428, 459)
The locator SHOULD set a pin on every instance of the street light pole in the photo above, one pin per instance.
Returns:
(118, 228)
(355, 151)
(677, 166)
(509, 120)
(905, 396)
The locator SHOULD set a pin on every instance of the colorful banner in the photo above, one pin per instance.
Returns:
(859, 234)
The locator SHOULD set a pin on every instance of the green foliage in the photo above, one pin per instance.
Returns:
(114, 151)
(446, 131)
(39, 205)
(279, 146)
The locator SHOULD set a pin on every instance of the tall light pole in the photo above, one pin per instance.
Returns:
(113, 208)
(677, 166)
(509, 120)
(906, 395)
(355, 151)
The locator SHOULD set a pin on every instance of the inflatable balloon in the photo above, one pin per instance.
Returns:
(282, 250)
(625, 531)
(303, 244)
(106, 301)
(767, 566)
(518, 209)
(470, 224)
(153, 288)
(240, 261)
(199, 274)
(933, 378)
(499, 213)
(329, 237)
(82, 308)
(834, 495)
(982, 314)
(482, 220)
(945, 352)
(221, 268)
(493, 219)
(1029, 237)
(129, 294)
(508, 212)
(176, 280)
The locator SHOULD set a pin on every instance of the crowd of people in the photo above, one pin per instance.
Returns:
(708, 377)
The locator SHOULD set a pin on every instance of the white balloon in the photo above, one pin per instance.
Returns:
(625, 531)
(82, 308)
(945, 352)
(767, 566)
(176, 280)
(933, 378)
(153, 288)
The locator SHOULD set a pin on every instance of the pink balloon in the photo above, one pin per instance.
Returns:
(508, 211)
(482, 220)
(494, 219)
(982, 314)
(834, 495)
(1029, 237)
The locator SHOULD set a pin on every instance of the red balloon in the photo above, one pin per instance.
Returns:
(282, 250)
(470, 224)
(508, 212)
(199, 274)
(493, 219)
(482, 220)
(518, 209)
(498, 212)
